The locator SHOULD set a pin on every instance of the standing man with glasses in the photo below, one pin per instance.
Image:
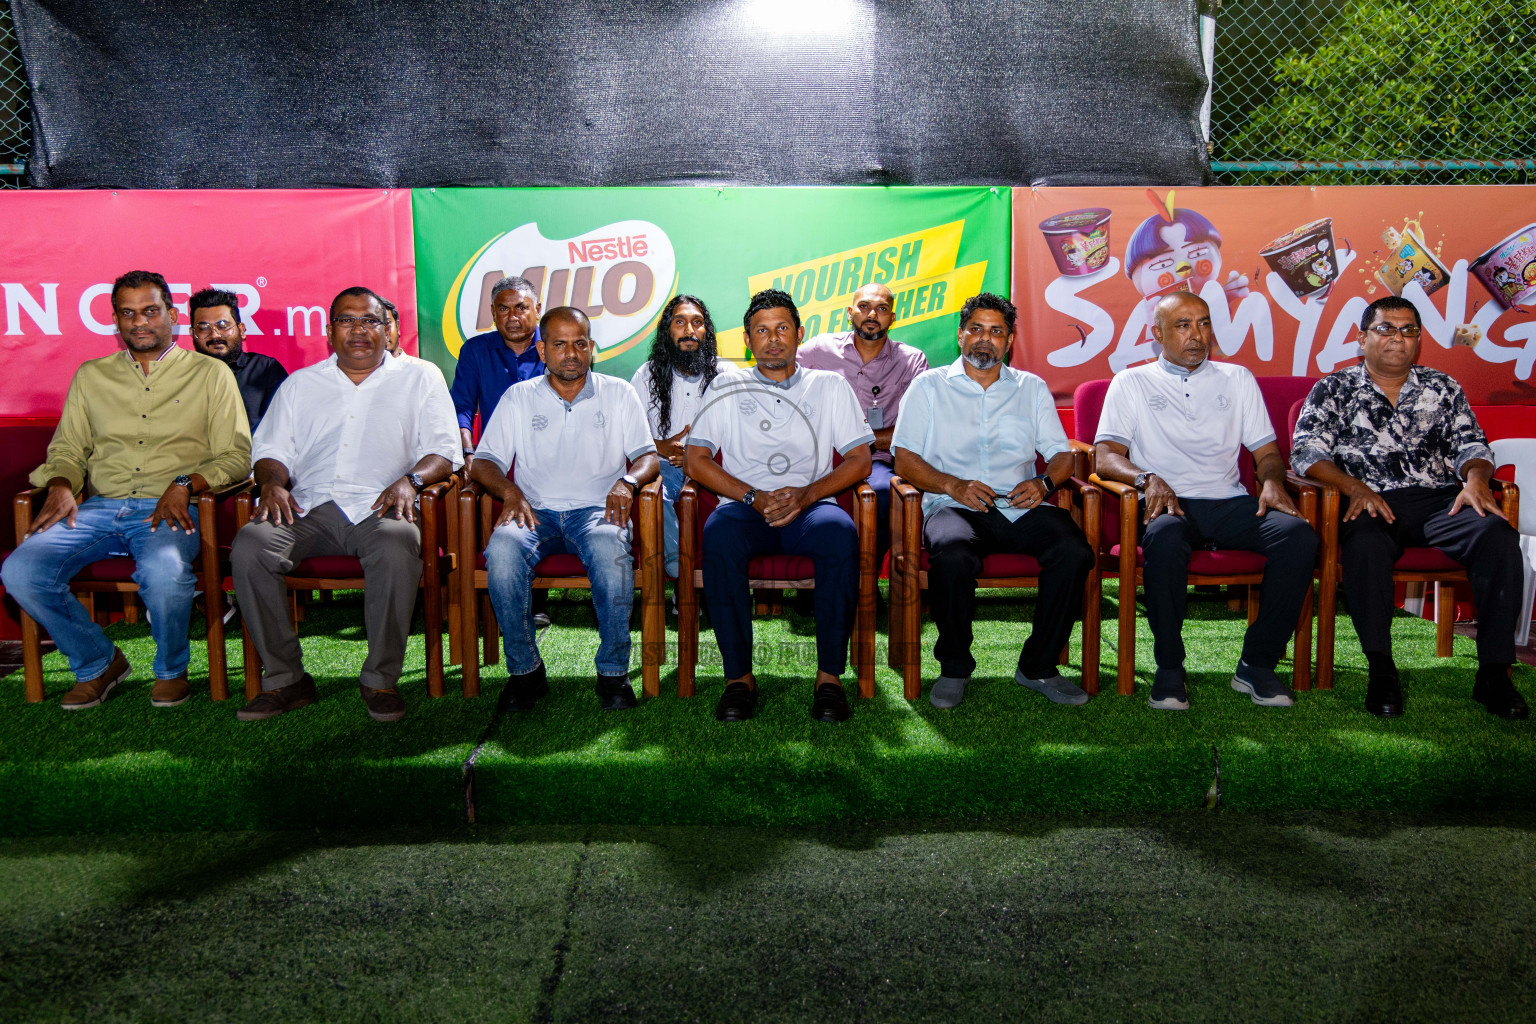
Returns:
(217, 331)
(143, 431)
(1400, 443)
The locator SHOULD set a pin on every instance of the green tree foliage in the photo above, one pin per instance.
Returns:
(1404, 80)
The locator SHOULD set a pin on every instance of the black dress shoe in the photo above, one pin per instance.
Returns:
(1384, 695)
(831, 704)
(615, 694)
(523, 692)
(737, 704)
(1494, 691)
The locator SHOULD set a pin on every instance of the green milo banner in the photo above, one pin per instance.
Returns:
(621, 253)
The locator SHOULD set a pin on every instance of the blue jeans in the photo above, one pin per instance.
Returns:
(672, 480)
(603, 548)
(38, 573)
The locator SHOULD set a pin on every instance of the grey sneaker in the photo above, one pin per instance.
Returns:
(1262, 685)
(947, 692)
(1168, 691)
(1055, 689)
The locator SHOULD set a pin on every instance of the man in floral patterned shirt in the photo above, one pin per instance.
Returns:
(1400, 443)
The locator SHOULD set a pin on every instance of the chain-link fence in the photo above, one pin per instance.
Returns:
(1305, 92)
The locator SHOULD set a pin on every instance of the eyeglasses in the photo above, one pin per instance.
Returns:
(371, 323)
(217, 327)
(1409, 331)
(983, 331)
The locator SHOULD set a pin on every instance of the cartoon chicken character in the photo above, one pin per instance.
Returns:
(1177, 250)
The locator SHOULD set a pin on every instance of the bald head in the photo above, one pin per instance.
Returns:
(566, 313)
(1181, 323)
(871, 313)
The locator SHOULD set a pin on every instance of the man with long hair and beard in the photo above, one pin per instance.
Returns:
(671, 384)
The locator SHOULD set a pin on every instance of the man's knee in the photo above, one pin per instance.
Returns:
(252, 550)
(163, 566)
(1293, 538)
(607, 545)
(510, 551)
(1166, 536)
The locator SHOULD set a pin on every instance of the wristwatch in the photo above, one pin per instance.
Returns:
(1140, 483)
(1045, 481)
(183, 481)
(634, 485)
(750, 497)
(416, 481)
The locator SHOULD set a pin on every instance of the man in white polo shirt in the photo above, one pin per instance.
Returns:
(671, 384)
(341, 455)
(776, 427)
(968, 436)
(582, 449)
(1173, 430)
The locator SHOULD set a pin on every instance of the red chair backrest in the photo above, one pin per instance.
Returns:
(22, 449)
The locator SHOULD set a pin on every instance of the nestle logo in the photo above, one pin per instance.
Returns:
(592, 250)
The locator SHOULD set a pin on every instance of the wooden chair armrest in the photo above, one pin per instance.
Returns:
(25, 508)
(904, 491)
(1114, 487)
(1510, 499)
(1083, 458)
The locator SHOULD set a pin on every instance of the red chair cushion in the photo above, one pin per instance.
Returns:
(1214, 563)
(1426, 560)
(560, 565)
(781, 567)
(108, 570)
(993, 566)
(329, 567)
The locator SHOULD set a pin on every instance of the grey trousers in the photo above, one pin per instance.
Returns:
(390, 550)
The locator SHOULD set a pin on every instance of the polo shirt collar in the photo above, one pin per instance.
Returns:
(783, 385)
(588, 390)
(1179, 371)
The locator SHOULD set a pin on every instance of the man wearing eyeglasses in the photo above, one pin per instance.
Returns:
(1400, 443)
(968, 436)
(341, 456)
(1174, 430)
(143, 431)
(218, 331)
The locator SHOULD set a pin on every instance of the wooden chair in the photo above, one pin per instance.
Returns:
(1121, 517)
(772, 573)
(115, 576)
(1423, 566)
(477, 515)
(343, 572)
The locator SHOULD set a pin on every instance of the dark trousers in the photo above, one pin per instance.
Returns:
(879, 481)
(1487, 545)
(1287, 543)
(959, 538)
(824, 533)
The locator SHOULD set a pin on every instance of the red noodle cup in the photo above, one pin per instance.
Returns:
(1305, 258)
(1079, 240)
(1508, 270)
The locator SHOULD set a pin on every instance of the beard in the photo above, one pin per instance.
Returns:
(688, 363)
(868, 333)
(983, 357)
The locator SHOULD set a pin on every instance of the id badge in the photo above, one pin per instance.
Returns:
(876, 417)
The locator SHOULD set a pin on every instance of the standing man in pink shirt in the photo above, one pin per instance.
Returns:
(880, 369)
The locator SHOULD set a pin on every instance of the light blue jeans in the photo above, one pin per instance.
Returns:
(38, 573)
(604, 551)
(672, 480)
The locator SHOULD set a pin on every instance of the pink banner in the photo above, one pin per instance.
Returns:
(284, 253)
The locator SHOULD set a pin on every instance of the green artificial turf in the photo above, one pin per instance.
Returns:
(126, 766)
(1182, 917)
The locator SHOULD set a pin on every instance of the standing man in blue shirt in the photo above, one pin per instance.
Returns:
(968, 435)
(490, 363)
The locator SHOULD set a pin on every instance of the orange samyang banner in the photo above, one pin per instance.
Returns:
(1287, 272)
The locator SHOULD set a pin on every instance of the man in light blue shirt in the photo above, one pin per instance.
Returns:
(968, 435)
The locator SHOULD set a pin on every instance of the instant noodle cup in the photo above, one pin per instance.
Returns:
(1304, 258)
(1409, 259)
(1508, 270)
(1078, 240)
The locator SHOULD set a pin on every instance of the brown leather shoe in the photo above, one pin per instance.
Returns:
(93, 691)
(170, 692)
(271, 703)
(385, 704)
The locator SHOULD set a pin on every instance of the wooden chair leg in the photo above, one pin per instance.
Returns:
(687, 637)
(1301, 647)
(1091, 631)
(432, 627)
(893, 642)
(1125, 674)
(218, 668)
(492, 631)
(252, 661)
(1445, 618)
(32, 658)
(455, 645)
(1253, 603)
(653, 635)
(470, 610)
(911, 639)
(1327, 609)
(131, 609)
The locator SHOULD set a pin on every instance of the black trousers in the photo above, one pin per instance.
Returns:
(1487, 545)
(1288, 544)
(959, 538)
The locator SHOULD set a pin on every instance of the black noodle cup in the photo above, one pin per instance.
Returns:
(1305, 258)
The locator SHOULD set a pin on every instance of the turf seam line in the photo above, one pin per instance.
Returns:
(468, 767)
(544, 1011)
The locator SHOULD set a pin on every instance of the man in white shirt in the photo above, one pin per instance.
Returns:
(968, 436)
(341, 455)
(582, 450)
(671, 384)
(776, 427)
(1173, 429)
